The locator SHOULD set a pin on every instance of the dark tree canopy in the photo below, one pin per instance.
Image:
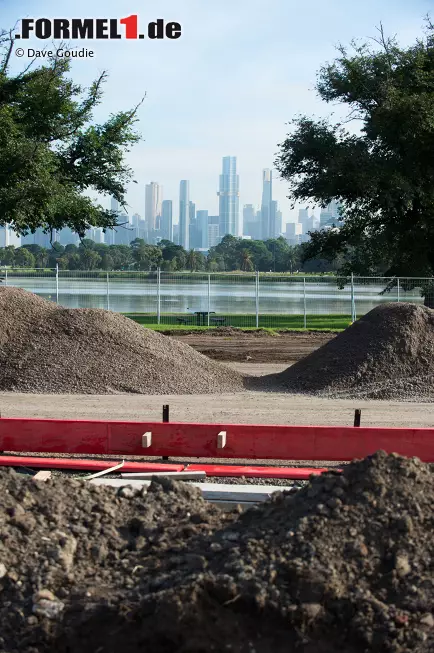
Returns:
(52, 154)
(383, 173)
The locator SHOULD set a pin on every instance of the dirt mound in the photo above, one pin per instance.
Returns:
(345, 564)
(387, 354)
(46, 348)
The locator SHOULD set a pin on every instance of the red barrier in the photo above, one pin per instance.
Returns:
(249, 441)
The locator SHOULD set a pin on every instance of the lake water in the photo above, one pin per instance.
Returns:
(181, 294)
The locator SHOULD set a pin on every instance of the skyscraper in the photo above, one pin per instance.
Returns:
(153, 198)
(329, 215)
(278, 222)
(202, 229)
(8, 237)
(294, 233)
(251, 222)
(194, 241)
(303, 218)
(274, 228)
(266, 205)
(114, 206)
(229, 198)
(166, 220)
(184, 223)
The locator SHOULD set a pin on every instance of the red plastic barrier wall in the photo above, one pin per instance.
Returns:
(175, 439)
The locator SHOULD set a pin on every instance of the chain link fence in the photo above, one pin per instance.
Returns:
(223, 299)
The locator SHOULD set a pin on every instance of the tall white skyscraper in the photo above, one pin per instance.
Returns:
(8, 237)
(229, 198)
(266, 205)
(184, 214)
(251, 222)
(114, 205)
(166, 226)
(153, 199)
(202, 228)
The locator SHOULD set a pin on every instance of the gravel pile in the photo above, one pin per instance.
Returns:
(344, 564)
(45, 348)
(387, 354)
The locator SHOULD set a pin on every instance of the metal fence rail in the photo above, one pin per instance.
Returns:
(215, 299)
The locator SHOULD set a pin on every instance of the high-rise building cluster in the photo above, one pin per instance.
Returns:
(298, 232)
(194, 228)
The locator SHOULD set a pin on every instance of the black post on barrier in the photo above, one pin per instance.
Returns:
(165, 420)
(357, 417)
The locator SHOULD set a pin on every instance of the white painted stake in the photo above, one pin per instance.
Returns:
(221, 440)
(147, 439)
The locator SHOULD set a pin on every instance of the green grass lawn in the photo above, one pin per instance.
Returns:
(269, 322)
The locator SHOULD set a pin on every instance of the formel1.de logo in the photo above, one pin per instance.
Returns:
(96, 28)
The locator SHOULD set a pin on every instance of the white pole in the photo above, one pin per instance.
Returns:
(353, 307)
(209, 296)
(304, 304)
(398, 289)
(108, 292)
(158, 297)
(257, 299)
(57, 283)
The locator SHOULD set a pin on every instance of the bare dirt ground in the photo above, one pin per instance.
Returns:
(245, 407)
(226, 344)
(238, 408)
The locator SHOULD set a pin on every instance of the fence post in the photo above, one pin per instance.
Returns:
(108, 292)
(398, 289)
(257, 297)
(6, 277)
(304, 304)
(57, 283)
(209, 296)
(158, 297)
(353, 306)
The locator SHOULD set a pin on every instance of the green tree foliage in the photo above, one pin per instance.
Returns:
(52, 152)
(241, 255)
(382, 169)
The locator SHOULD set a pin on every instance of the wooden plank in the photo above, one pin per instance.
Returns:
(250, 441)
(221, 440)
(147, 440)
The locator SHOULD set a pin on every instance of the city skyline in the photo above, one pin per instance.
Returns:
(195, 228)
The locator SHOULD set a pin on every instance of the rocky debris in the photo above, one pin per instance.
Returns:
(45, 348)
(386, 354)
(344, 564)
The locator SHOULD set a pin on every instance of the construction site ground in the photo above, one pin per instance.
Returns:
(227, 344)
(241, 407)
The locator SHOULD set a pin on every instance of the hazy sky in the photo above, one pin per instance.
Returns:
(241, 70)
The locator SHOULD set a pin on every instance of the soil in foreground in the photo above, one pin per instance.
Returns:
(345, 564)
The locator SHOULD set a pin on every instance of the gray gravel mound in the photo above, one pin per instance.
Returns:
(387, 354)
(45, 348)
